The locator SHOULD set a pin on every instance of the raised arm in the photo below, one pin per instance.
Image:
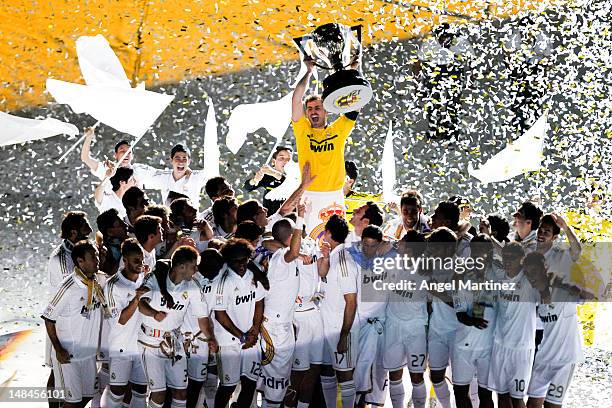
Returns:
(575, 245)
(297, 111)
(99, 191)
(85, 151)
(294, 198)
(296, 237)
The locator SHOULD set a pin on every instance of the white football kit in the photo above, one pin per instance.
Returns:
(442, 326)
(340, 280)
(163, 355)
(124, 354)
(514, 338)
(110, 199)
(190, 186)
(236, 296)
(142, 172)
(78, 331)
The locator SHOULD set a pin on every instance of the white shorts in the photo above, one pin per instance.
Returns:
(103, 352)
(404, 345)
(466, 364)
(551, 382)
(124, 369)
(320, 205)
(341, 361)
(510, 370)
(440, 348)
(277, 346)
(161, 372)
(197, 362)
(309, 343)
(234, 362)
(370, 335)
(48, 351)
(77, 378)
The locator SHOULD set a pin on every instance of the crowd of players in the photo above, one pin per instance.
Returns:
(173, 306)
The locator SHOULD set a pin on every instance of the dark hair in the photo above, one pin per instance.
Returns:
(211, 262)
(121, 143)
(73, 220)
(214, 185)
(236, 248)
(416, 240)
(177, 207)
(351, 169)
(531, 212)
(161, 270)
(121, 174)
(442, 234)
(499, 227)
(550, 221)
(179, 148)
(374, 214)
(130, 246)
(483, 241)
(535, 258)
(144, 226)
(450, 212)
(372, 231)
(282, 229)
(105, 220)
(81, 248)
(460, 201)
(183, 255)
(247, 210)
(157, 210)
(131, 197)
(173, 195)
(513, 248)
(281, 149)
(338, 228)
(222, 207)
(412, 193)
(249, 231)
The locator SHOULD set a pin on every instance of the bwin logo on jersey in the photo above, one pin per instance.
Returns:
(207, 289)
(245, 298)
(177, 305)
(371, 279)
(549, 318)
(95, 304)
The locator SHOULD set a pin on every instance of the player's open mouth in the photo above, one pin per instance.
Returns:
(180, 168)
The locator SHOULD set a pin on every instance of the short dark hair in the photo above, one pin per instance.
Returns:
(177, 207)
(121, 174)
(416, 240)
(173, 195)
(121, 143)
(179, 148)
(214, 185)
(549, 220)
(247, 210)
(281, 149)
(282, 229)
(536, 258)
(236, 248)
(157, 210)
(81, 248)
(372, 231)
(211, 262)
(144, 226)
(183, 255)
(105, 220)
(499, 227)
(131, 197)
(412, 193)
(221, 208)
(531, 212)
(73, 220)
(130, 246)
(374, 214)
(338, 228)
(249, 231)
(351, 169)
(442, 234)
(450, 212)
(514, 248)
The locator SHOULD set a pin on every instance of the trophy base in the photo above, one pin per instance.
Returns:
(345, 91)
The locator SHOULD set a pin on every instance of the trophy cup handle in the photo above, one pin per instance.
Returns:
(299, 42)
(357, 28)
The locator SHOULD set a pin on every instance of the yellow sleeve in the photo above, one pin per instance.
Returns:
(343, 127)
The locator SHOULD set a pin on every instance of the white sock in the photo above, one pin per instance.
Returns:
(330, 390)
(474, 392)
(443, 394)
(138, 400)
(348, 393)
(419, 395)
(110, 400)
(303, 404)
(154, 405)
(178, 403)
(210, 389)
(396, 393)
(103, 379)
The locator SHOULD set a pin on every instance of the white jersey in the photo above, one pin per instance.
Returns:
(443, 316)
(340, 280)
(516, 317)
(561, 342)
(279, 303)
(60, 264)
(186, 296)
(309, 283)
(407, 305)
(529, 243)
(142, 172)
(559, 262)
(78, 329)
(149, 258)
(110, 199)
(236, 296)
(190, 186)
(205, 287)
(369, 302)
(119, 292)
(395, 229)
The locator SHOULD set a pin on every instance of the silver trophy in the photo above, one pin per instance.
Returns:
(337, 47)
